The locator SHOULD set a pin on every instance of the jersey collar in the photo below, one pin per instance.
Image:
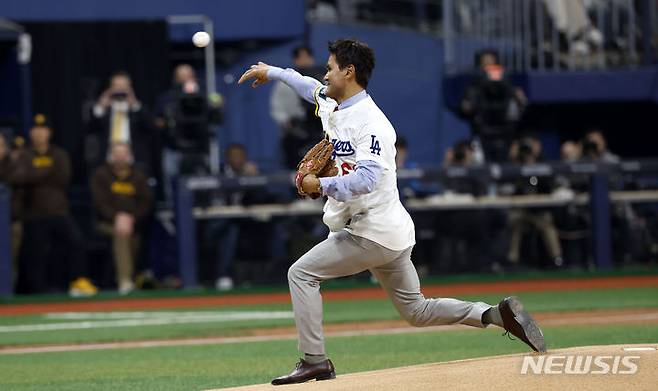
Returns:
(354, 99)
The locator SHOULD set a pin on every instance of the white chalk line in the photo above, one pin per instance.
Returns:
(141, 319)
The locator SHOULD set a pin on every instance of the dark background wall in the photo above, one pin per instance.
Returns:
(244, 19)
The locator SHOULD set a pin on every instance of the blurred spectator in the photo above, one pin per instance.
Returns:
(300, 128)
(45, 170)
(628, 228)
(225, 231)
(527, 150)
(467, 230)
(493, 106)
(462, 154)
(237, 162)
(401, 153)
(118, 117)
(595, 148)
(571, 20)
(8, 160)
(184, 115)
(321, 11)
(572, 220)
(570, 152)
(412, 188)
(122, 199)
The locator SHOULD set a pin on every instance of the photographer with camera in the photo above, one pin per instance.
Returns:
(185, 114)
(629, 227)
(493, 107)
(595, 148)
(118, 117)
(469, 231)
(527, 151)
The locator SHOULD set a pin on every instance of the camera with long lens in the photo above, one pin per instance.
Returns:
(526, 150)
(191, 118)
(591, 149)
(119, 96)
(461, 152)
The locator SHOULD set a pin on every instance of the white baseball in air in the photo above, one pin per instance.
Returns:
(201, 39)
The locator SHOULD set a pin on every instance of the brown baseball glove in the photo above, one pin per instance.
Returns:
(318, 162)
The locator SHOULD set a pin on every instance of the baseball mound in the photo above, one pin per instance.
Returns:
(611, 367)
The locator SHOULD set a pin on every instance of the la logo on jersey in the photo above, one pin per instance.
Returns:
(375, 149)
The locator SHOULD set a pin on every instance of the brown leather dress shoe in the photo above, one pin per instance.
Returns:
(304, 372)
(520, 324)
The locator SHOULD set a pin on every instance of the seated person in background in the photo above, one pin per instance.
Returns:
(411, 188)
(595, 148)
(527, 150)
(627, 224)
(118, 117)
(472, 227)
(237, 162)
(122, 199)
(572, 220)
(462, 155)
(44, 171)
(570, 152)
(570, 18)
(8, 159)
(226, 231)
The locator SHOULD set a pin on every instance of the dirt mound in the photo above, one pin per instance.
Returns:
(504, 373)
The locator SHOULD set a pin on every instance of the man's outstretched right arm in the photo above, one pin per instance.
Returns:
(304, 86)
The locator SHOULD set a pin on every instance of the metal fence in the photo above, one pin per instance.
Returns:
(550, 35)
(545, 35)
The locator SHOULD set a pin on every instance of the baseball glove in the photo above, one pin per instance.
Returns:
(318, 162)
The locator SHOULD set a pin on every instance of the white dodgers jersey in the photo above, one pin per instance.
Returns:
(362, 132)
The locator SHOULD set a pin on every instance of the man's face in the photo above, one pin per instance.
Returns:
(335, 78)
(184, 74)
(304, 60)
(120, 83)
(597, 139)
(121, 156)
(236, 158)
(487, 59)
(570, 151)
(40, 135)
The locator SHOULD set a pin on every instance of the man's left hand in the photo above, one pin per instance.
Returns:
(311, 185)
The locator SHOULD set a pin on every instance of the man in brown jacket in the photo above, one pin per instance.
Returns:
(122, 198)
(44, 171)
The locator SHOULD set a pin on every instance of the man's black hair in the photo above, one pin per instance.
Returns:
(360, 55)
(237, 146)
(485, 52)
(120, 73)
(301, 48)
(401, 142)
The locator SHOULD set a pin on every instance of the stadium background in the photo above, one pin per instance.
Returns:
(204, 338)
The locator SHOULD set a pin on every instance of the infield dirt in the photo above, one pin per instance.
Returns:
(492, 373)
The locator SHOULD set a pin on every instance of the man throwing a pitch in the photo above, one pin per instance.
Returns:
(370, 229)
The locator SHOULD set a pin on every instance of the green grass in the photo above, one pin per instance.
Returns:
(214, 366)
(353, 282)
(335, 312)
